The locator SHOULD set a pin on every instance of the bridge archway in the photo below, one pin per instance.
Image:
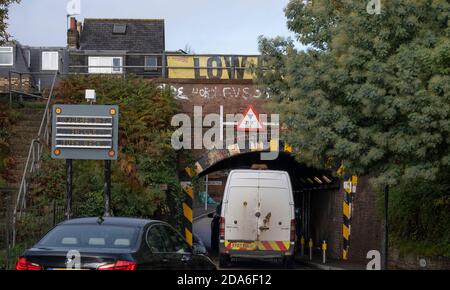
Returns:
(317, 197)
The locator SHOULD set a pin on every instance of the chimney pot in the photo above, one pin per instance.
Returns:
(73, 23)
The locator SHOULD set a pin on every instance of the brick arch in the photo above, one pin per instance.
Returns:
(211, 157)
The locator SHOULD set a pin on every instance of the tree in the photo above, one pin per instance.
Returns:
(371, 91)
(4, 9)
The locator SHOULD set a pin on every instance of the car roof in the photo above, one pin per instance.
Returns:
(122, 221)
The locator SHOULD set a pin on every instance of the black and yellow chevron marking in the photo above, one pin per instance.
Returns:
(347, 214)
(346, 224)
(188, 212)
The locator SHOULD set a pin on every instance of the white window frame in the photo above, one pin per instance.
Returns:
(104, 65)
(118, 70)
(11, 50)
(53, 65)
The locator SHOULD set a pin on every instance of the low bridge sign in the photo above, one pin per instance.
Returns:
(85, 132)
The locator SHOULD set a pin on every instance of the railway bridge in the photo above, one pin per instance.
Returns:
(223, 86)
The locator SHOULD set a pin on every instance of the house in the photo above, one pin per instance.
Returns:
(116, 46)
(31, 68)
(14, 57)
(96, 46)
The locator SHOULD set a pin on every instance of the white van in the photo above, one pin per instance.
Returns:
(257, 217)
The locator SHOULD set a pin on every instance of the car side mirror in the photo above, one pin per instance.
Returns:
(211, 215)
(199, 250)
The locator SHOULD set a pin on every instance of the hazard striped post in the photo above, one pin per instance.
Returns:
(188, 213)
(349, 190)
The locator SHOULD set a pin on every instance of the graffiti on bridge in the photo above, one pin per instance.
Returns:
(209, 92)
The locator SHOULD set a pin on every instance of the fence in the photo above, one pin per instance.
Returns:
(164, 65)
(34, 224)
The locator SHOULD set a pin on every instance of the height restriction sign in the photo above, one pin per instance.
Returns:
(250, 121)
(85, 132)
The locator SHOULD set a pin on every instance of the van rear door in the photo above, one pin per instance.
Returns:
(240, 221)
(275, 207)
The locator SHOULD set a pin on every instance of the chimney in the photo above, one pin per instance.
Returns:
(79, 28)
(73, 36)
(73, 23)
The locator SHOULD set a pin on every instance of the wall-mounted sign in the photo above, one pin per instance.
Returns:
(87, 132)
(214, 67)
(214, 182)
(250, 121)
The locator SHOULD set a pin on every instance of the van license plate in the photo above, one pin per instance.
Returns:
(243, 246)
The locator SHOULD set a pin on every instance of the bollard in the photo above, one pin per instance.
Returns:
(302, 249)
(324, 252)
(310, 249)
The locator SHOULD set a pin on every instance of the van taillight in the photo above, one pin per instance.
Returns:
(24, 264)
(222, 229)
(293, 230)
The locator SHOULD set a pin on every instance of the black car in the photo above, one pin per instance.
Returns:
(113, 243)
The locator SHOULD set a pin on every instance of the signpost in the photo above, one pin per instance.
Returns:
(85, 132)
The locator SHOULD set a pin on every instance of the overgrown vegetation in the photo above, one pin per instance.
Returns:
(419, 216)
(146, 159)
(371, 92)
(8, 117)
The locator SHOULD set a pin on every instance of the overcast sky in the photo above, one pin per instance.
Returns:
(207, 26)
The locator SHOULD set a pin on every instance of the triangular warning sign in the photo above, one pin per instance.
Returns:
(250, 121)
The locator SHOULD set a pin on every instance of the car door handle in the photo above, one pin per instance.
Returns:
(165, 260)
(185, 259)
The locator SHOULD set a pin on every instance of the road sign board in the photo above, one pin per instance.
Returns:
(250, 121)
(85, 132)
(214, 182)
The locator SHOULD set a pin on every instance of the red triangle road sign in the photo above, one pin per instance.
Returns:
(250, 121)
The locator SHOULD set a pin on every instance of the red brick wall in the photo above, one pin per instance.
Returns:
(326, 220)
(367, 225)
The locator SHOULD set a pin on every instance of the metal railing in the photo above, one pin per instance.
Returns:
(162, 68)
(23, 89)
(34, 156)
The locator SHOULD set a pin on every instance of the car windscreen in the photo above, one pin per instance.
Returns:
(91, 236)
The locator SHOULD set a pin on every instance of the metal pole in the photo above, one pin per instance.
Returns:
(206, 195)
(54, 213)
(8, 230)
(69, 175)
(10, 88)
(20, 88)
(164, 66)
(386, 228)
(309, 214)
(107, 188)
(302, 244)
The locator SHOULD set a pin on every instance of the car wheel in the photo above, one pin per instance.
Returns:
(224, 261)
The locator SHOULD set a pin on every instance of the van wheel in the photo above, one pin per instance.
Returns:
(289, 262)
(224, 261)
